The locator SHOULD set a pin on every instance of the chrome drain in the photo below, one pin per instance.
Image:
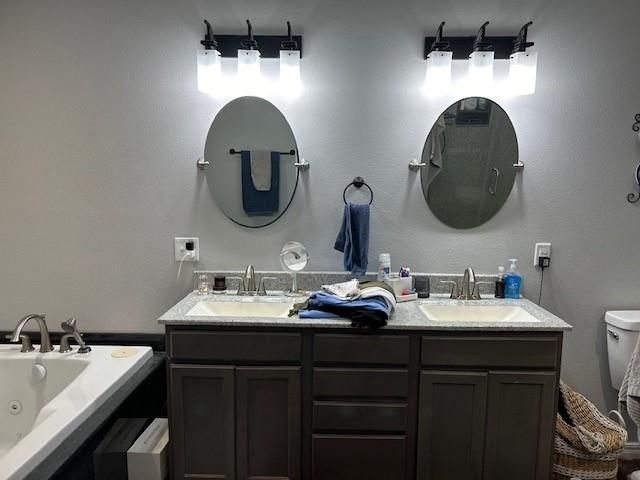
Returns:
(15, 407)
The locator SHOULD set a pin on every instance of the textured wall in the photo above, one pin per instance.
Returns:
(101, 125)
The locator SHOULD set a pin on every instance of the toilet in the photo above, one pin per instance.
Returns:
(623, 328)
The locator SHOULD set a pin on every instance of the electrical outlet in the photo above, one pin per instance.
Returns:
(181, 246)
(541, 250)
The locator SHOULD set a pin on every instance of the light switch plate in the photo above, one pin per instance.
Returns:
(541, 250)
(180, 249)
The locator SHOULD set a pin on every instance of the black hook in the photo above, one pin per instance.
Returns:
(520, 44)
(439, 45)
(209, 41)
(250, 43)
(480, 44)
(636, 126)
(357, 182)
(289, 44)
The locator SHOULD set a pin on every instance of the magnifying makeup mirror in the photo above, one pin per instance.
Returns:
(294, 259)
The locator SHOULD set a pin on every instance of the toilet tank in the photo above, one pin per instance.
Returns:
(623, 328)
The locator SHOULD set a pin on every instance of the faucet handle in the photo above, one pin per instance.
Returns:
(27, 346)
(261, 288)
(476, 289)
(241, 286)
(454, 288)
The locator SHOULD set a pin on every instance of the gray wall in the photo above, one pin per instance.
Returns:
(101, 125)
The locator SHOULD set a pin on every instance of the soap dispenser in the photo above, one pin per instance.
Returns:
(500, 283)
(512, 280)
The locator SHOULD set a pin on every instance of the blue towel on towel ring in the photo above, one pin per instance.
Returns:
(255, 202)
(353, 238)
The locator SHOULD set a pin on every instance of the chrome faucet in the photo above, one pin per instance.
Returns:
(45, 340)
(72, 332)
(467, 290)
(250, 280)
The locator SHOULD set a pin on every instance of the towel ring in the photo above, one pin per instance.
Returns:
(358, 182)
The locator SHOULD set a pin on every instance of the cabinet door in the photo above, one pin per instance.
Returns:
(520, 420)
(268, 423)
(451, 425)
(202, 422)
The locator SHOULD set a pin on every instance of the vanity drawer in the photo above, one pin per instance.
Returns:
(349, 457)
(360, 382)
(363, 349)
(235, 346)
(491, 352)
(348, 416)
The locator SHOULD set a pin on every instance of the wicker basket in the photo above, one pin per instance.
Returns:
(587, 444)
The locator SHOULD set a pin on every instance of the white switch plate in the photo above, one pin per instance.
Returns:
(180, 248)
(541, 250)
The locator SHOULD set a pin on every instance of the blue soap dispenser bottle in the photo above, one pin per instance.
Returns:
(512, 280)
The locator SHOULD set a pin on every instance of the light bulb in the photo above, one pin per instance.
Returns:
(289, 82)
(480, 69)
(249, 65)
(209, 71)
(523, 68)
(438, 77)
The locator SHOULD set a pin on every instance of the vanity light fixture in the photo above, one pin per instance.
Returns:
(523, 65)
(481, 60)
(439, 59)
(249, 57)
(290, 82)
(209, 63)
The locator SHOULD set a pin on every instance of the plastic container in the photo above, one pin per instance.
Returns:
(400, 285)
(384, 266)
(512, 280)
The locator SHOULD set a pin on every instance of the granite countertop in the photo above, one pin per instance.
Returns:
(407, 316)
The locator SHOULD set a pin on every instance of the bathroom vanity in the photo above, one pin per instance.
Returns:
(286, 398)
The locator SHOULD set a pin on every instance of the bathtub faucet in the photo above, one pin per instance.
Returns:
(45, 340)
(72, 332)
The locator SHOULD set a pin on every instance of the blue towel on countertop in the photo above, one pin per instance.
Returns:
(353, 238)
(316, 314)
(372, 312)
(255, 202)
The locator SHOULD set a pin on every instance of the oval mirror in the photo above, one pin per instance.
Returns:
(251, 152)
(470, 156)
(294, 258)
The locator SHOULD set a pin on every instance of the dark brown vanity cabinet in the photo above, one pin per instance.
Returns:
(389, 405)
(491, 421)
(234, 421)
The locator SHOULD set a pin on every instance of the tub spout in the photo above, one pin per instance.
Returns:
(45, 340)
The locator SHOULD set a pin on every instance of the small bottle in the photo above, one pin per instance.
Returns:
(384, 266)
(512, 280)
(500, 283)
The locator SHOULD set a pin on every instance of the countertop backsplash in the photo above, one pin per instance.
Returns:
(311, 281)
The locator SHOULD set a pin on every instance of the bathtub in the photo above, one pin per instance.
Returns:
(45, 397)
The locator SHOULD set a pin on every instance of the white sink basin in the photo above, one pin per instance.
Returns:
(476, 313)
(240, 309)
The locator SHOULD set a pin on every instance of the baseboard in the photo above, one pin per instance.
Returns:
(631, 451)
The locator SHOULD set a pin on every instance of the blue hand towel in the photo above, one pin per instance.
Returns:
(353, 238)
(256, 202)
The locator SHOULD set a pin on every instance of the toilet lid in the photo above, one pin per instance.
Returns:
(625, 319)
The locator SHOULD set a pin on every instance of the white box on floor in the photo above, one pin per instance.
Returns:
(147, 457)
